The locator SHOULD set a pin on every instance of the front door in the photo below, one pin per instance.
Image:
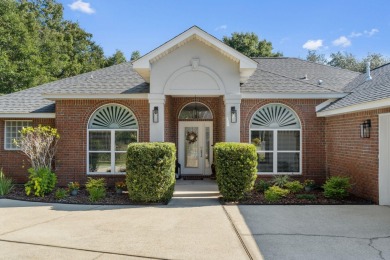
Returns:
(195, 140)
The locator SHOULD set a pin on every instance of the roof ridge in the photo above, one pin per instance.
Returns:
(307, 83)
(383, 65)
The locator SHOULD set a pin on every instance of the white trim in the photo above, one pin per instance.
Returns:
(383, 164)
(27, 115)
(5, 134)
(246, 95)
(95, 96)
(325, 104)
(356, 108)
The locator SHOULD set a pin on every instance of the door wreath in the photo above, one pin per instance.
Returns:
(191, 137)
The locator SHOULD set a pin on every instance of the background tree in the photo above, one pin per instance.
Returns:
(313, 56)
(117, 58)
(135, 55)
(249, 45)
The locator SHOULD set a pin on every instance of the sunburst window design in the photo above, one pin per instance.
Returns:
(113, 117)
(275, 116)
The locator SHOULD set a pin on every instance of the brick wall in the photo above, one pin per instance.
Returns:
(349, 155)
(15, 163)
(72, 119)
(313, 135)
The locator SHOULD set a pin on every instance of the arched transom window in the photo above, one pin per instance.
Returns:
(196, 110)
(110, 129)
(275, 130)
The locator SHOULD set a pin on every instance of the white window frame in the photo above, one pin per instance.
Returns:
(275, 150)
(112, 152)
(5, 134)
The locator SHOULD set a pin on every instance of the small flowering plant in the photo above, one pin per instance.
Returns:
(120, 185)
(309, 183)
(73, 185)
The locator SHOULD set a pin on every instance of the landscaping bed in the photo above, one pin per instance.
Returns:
(111, 198)
(257, 198)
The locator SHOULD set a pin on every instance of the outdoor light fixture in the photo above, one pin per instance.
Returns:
(365, 128)
(233, 115)
(155, 115)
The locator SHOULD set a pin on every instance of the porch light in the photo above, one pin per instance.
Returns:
(233, 115)
(155, 115)
(365, 128)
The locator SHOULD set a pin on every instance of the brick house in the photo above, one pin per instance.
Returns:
(305, 119)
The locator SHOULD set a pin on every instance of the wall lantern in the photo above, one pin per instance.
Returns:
(365, 128)
(155, 115)
(233, 115)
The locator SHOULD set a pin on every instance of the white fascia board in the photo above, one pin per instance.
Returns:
(95, 96)
(292, 95)
(27, 115)
(324, 104)
(144, 62)
(356, 108)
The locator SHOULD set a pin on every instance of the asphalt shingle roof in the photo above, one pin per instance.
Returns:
(362, 90)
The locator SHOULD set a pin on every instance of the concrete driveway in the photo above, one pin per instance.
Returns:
(317, 232)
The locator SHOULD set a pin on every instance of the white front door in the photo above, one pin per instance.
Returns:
(384, 159)
(195, 140)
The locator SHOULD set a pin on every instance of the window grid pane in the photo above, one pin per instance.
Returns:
(288, 140)
(12, 132)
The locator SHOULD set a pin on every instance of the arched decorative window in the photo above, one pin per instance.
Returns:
(275, 130)
(196, 111)
(110, 129)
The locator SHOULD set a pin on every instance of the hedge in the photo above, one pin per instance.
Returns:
(236, 166)
(151, 171)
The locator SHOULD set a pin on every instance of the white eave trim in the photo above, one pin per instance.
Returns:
(27, 115)
(292, 95)
(356, 108)
(95, 96)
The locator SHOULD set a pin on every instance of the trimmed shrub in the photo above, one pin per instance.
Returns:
(61, 194)
(96, 189)
(262, 185)
(41, 181)
(275, 193)
(281, 180)
(294, 186)
(236, 166)
(337, 187)
(6, 184)
(151, 171)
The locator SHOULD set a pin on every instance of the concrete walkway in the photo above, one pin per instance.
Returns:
(193, 226)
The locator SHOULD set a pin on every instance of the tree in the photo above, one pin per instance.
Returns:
(117, 58)
(249, 45)
(135, 55)
(313, 56)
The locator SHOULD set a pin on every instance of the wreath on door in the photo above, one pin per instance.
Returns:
(191, 137)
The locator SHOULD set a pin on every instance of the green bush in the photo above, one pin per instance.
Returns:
(281, 180)
(275, 193)
(96, 189)
(41, 181)
(337, 187)
(61, 194)
(151, 171)
(262, 185)
(306, 196)
(5, 184)
(294, 186)
(236, 166)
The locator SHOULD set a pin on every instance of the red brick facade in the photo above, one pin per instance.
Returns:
(15, 163)
(349, 155)
(313, 136)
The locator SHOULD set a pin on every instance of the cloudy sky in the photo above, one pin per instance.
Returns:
(294, 27)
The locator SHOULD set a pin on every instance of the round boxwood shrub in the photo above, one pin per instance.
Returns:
(151, 171)
(236, 166)
(337, 187)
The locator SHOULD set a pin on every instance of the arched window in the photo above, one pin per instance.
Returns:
(110, 129)
(195, 110)
(275, 130)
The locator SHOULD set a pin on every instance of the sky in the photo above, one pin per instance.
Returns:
(294, 27)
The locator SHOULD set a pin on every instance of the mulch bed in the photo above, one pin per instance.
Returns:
(112, 198)
(257, 198)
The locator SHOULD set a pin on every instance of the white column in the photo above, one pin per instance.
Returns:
(157, 129)
(232, 130)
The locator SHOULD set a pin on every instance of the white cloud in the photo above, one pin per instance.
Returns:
(220, 28)
(365, 32)
(313, 45)
(342, 41)
(81, 6)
